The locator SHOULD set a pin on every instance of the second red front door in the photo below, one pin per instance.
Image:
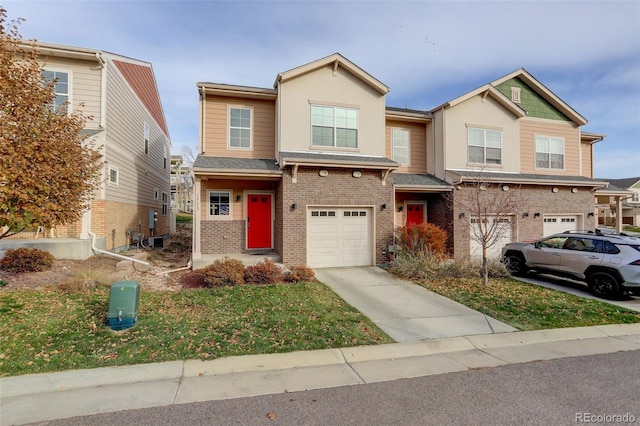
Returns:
(415, 213)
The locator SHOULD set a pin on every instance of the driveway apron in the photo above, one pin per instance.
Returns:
(406, 311)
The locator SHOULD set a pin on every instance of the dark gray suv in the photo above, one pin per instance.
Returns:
(609, 264)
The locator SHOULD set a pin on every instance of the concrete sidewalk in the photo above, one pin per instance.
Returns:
(41, 397)
(404, 310)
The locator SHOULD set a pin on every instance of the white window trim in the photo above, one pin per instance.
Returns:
(69, 84)
(117, 182)
(156, 194)
(408, 163)
(250, 108)
(535, 152)
(485, 128)
(231, 201)
(165, 204)
(516, 94)
(335, 138)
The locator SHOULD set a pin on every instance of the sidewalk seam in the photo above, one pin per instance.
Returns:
(344, 358)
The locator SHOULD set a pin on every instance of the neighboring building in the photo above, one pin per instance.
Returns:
(181, 185)
(321, 171)
(129, 127)
(621, 195)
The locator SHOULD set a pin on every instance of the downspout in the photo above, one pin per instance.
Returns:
(119, 256)
(184, 268)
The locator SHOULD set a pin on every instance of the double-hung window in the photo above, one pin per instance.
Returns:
(400, 143)
(113, 176)
(549, 153)
(61, 89)
(219, 204)
(240, 127)
(334, 126)
(165, 203)
(147, 136)
(484, 146)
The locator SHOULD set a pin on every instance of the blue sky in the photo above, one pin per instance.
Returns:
(587, 53)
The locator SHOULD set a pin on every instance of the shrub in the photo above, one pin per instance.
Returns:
(26, 260)
(193, 279)
(85, 281)
(298, 274)
(421, 265)
(265, 272)
(423, 238)
(224, 272)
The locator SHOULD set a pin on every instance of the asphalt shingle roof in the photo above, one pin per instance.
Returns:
(418, 180)
(527, 176)
(339, 158)
(220, 163)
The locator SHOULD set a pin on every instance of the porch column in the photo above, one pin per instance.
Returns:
(197, 254)
(618, 213)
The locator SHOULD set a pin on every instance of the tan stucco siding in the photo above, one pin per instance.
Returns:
(480, 113)
(587, 160)
(324, 87)
(417, 145)
(140, 174)
(530, 128)
(216, 134)
(85, 80)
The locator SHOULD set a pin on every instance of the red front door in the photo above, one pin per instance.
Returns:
(415, 213)
(259, 221)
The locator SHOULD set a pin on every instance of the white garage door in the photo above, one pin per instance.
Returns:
(505, 236)
(557, 224)
(338, 237)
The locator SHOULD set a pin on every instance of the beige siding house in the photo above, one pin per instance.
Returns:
(319, 170)
(128, 126)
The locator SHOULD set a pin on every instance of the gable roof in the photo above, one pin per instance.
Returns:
(624, 183)
(543, 92)
(143, 83)
(336, 60)
(487, 90)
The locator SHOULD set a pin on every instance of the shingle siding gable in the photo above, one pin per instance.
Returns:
(531, 102)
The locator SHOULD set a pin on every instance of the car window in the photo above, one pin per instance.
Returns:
(554, 242)
(609, 248)
(581, 244)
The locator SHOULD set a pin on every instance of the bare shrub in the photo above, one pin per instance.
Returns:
(26, 260)
(224, 272)
(299, 274)
(265, 272)
(423, 238)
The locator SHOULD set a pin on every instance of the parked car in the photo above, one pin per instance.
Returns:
(608, 263)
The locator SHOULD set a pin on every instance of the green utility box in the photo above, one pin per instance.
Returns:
(123, 304)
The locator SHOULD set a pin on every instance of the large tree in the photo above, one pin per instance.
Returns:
(48, 173)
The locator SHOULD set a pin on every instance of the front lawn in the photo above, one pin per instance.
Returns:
(527, 306)
(48, 330)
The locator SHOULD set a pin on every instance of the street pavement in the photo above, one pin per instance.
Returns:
(435, 335)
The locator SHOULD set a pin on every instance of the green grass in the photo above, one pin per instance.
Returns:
(182, 217)
(632, 228)
(529, 307)
(43, 331)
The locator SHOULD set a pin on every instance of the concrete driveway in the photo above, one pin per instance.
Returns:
(406, 311)
(578, 288)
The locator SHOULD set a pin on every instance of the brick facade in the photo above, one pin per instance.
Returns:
(339, 188)
(222, 236)
(534, 199)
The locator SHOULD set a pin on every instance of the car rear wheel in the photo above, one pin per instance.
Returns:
(515, 264)
(603, 284)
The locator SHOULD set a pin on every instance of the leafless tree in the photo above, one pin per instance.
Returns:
(489, 208)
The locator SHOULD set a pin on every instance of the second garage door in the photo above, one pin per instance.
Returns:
(338, 237)
(556, 224)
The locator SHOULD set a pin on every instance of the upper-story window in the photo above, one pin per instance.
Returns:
(485, 146)
(239, 127)
(113, 176)
(334, 126)
(61, 89)
(146, 138)
(400, 145)
(636, 197)
(164, 159)
(549, 153)
(515, 94)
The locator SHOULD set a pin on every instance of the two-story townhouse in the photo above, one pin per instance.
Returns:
(128, 126)
(321, 171)
(517, 135)
(299, 169)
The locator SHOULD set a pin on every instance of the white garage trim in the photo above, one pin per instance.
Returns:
(340, 236)
(505, 236)
(556, 223)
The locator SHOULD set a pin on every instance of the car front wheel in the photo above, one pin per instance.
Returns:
(515, 264)
(603, 284)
